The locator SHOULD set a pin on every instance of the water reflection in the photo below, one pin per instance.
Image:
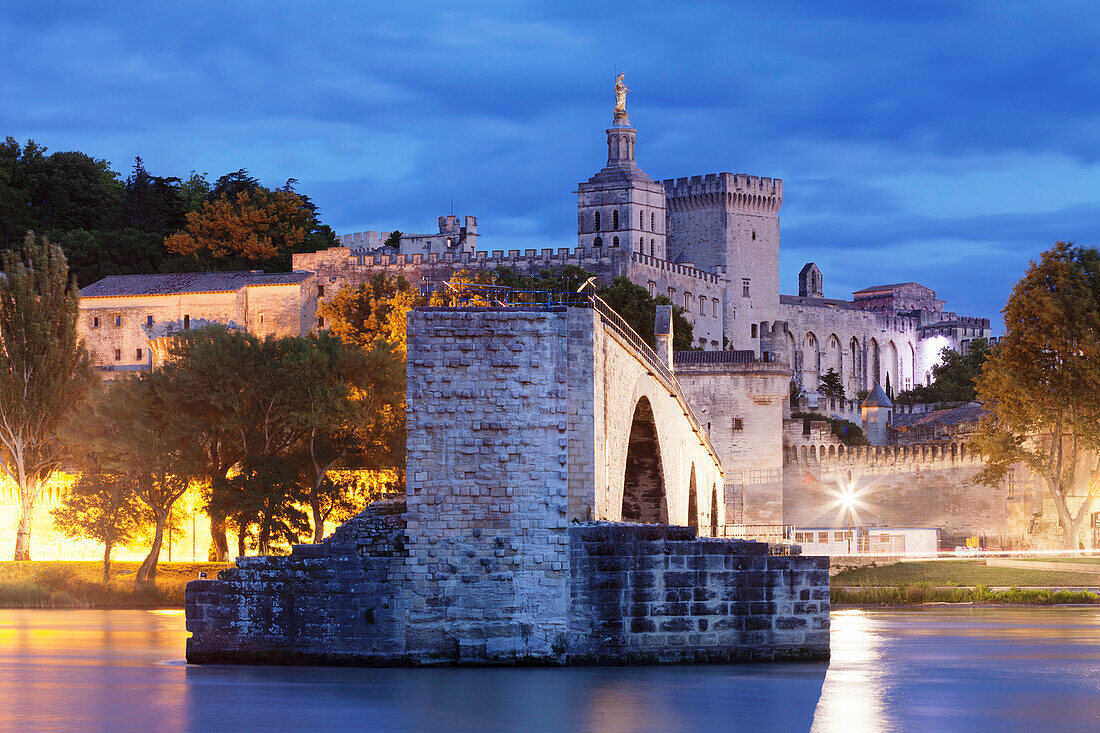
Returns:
(939, 669)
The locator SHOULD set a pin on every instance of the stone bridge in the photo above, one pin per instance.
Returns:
(498, 395)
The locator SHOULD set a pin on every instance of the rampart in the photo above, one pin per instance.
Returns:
(732, 190)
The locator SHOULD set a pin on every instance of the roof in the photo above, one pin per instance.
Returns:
(806, 267)
(812, 300)
(188, 282)
(877, 398)
(968, 413)
(892, 286)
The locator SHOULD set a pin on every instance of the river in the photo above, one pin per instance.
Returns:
(929, 669)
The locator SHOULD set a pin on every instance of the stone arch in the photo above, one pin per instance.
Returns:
(892, 367)
(693, 501)
(874, 372)
(811, 362)
(614, 241)
(644, 498)
(854, 365)
(832, 355)
(597, 242)
(803, 454)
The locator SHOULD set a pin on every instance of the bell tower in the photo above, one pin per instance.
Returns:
(621, 207)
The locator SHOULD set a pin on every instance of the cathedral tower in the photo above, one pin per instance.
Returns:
(621, 207)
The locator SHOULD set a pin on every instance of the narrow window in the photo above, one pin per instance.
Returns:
(597, 242)
(139, 354)
(261, 319)
(118, 320)
(752, 331)
(738, 423)
(641, 220)
(672, 294)
(754, 235)
(687, 302)
(320, 290)
(745, 287)
(615, 242)
(652, 222)
(652, 287)
(95, 321)
(149, 321)
(187, 323)
(118, 354)
(641, 244)
(715, 304)
(702, 305)
(320, 322)
(597, 225)
(615, 219)
(652, 247)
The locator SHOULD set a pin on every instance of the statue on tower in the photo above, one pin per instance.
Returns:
(620, 97)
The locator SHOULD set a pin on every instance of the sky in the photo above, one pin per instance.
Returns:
(943, 142)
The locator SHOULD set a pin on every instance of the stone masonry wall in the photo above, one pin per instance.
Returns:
(337, 602)
(660, 594)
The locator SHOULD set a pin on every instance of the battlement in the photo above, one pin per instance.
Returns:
(658, 263)
(363, 240)
(738, 190)
(514, 258)
(834, 457)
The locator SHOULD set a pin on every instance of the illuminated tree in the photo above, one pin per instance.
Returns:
(377, 309)
(44, 370)
(1041, 384)
(103, 507)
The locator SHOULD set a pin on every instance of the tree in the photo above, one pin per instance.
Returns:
(137, 430)
(151, 203)
(93, 255)
(44, 370)
(953, 378)
(639, 309)
(393, 241)
(17, 216)
(1041, 383)
(831, 385)
(71, 190)
(244, 225)
(267, 494)
(103, 507)
(376, 309)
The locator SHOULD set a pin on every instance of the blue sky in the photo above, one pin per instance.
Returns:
(943, 142)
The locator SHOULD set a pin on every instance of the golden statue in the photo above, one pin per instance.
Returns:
(620, 96)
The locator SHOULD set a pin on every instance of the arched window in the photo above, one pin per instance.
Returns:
(652, 247)
(641, 244)
(652, 222)
(615, 242)
(597, 242)
(641, 220)
(615, 219)
(597, 226)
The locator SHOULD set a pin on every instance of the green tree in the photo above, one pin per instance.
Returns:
(953, 378)
(1041, 384)
(639, 309)
(393, 240)
(71, 190)
(103, 507)
(93, 255)
(831, 385)
(151, 203)
(44, 370)
(136, 430)
(17, 216)
(265, 494)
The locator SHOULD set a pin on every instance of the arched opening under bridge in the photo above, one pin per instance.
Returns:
(644, 498)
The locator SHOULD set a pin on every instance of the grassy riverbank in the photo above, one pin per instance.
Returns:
(79, 584)
(961, 581)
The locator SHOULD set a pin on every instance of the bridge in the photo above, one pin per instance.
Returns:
(559, 398)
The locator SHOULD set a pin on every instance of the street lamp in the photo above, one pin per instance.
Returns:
(848, 500)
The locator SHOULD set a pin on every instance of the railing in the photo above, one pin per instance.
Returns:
(777, 534)
(502, 296)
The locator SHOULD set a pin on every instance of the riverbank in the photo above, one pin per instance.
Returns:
(79, 584)
(963, 581)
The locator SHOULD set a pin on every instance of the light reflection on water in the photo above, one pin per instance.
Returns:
(932, 669)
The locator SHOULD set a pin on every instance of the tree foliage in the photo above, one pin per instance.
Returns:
(103, 507)
(374, 310)
(831, 385)
(1041, 384)
(953, 379)
(44, 370)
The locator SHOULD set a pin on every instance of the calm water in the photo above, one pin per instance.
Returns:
(943, 669)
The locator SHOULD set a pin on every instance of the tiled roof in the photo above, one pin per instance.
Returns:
(877, 398)
(187, 282)
(969, 413)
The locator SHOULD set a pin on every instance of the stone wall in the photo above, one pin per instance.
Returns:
(660, 594)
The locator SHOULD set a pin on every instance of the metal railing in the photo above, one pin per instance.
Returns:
(778, 534)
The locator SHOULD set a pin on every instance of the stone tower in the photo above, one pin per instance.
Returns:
(621, 206)
(809, 282)
(728, 224)
(878, 412)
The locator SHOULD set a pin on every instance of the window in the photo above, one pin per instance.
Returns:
(738, 423)
(320, 322)
(652, 287)
(261, 319)
(118, 320)
(138, 355)
(652, 222)
(744, 287)
(118, 354)
(149, 321)
(614, 241)
(652, 247)
(702, 305)
(752, 331)
(597, 242)
(95, 321)
(754, 235)
(596, 225)
(320, 290)
(672, 294)
(641, 244)
(615, 219)
(823, 537)
(687, 302)
(641, 220)
(186, 323)
(714, 304)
